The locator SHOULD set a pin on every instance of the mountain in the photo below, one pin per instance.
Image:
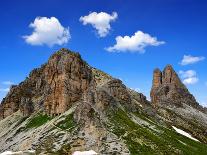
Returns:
(66, 106)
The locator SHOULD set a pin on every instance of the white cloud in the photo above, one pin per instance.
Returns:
(100, 21)
(191, 80)
(47, 31)
(4, 89)
(136, 43)
(189, 77)
(188, 73)
(136, 89)
(188, 59)
(7, 83)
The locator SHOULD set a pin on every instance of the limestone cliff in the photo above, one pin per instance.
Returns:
(167, 88)
(52, 88)
(175, 104)
(66, 106)
(75, 95)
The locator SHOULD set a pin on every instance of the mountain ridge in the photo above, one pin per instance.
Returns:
(67, 105)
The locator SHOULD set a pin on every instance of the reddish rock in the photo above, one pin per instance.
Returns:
(67, 76)
(64, 80)
(168, 88)
(52, 88)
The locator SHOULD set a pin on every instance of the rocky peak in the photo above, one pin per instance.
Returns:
(68, 77)
(157, 78)
(169, 76)
(52, 88)
(61, 82)
(168, 88)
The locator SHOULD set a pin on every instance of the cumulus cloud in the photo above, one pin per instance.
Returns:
(189, 77)
(188, 59)
(136, 89)
(100, 21)
(136, 43)
(47, 31)
(191, 80)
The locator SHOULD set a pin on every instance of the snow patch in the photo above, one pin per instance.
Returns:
(184, 133)
(91, 152)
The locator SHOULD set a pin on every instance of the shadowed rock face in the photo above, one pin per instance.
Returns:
(168, 88)
(52, 88)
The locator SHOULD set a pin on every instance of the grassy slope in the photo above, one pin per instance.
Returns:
(144, 140)
(68, 123)
(140, 139)
(38, 120)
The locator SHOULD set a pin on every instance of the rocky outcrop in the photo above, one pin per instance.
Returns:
(118, 90)
(62, 81)
(175, 105)
(167, 88)
(98, 112)
(51, 88)
(100, 77)
(67, 77)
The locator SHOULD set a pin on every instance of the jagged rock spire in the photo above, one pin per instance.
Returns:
(168, 88)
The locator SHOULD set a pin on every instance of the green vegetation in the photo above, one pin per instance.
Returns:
(143, 140)
(38, 120)
(68, 123)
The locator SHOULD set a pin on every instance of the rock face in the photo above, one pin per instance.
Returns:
(67, 76)
(167, 88)
(62, 81)
(98, 112)
(52, 88)
(174, 103)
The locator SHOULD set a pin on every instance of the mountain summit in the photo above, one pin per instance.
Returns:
(66, 106)
(167, 88)
(52, 88)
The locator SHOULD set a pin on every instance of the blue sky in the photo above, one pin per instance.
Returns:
(179, 28)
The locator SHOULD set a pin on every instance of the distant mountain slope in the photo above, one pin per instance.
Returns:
(67, 106)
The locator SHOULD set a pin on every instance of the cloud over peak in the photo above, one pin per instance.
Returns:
(47, 31)
(99, 21)
(135, 43)
(188, 59)
(189, 77)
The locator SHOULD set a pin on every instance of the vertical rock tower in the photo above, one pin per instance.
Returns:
(67, 76)
(167, 88)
